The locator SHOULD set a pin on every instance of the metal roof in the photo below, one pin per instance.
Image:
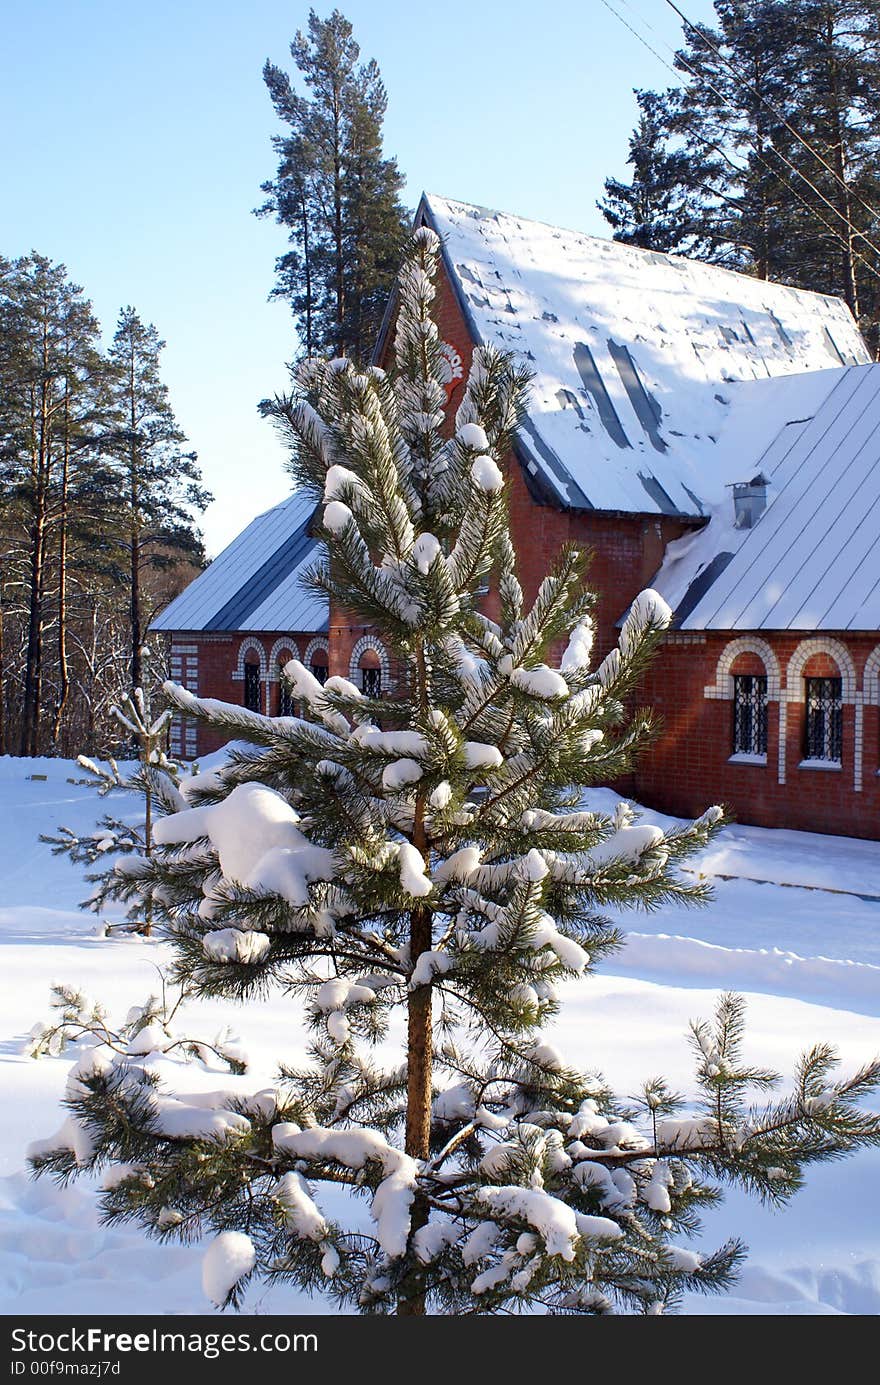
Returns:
(638, 357)
(254, 584)
(811, 561)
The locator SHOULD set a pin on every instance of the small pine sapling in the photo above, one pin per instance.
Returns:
(82, 1023)
(421, 873)
(154, 780)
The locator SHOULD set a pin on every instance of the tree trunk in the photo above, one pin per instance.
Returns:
(134, 531)
(418, 1079)
(2, 678)
(135, 611)
(40, 466)
(419, 1045)
(338, 247)
(418, 1088)
(844, 199)
(307, 268)
(63, 669)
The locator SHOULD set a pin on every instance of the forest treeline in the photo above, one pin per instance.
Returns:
(98, 499)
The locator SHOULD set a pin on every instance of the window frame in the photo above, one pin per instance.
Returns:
(823, 699)
(371, 682)
(753, 728)
(286, 699)
(253, 690)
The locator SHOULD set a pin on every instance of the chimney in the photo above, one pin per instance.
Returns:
(749, 501)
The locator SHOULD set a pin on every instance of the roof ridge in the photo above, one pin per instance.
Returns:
(623, 245)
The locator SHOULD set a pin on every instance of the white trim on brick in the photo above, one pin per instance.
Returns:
(871, 679)
(722, 688)
(369, 642)
(312, 648)
(249, 642)
(183, 731)
(823, 644)
(286, 643)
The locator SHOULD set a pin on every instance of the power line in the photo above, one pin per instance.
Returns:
(757, 152)
(747, 85)
(852, 230)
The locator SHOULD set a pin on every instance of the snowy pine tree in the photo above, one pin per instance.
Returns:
(155, 779)
(423, 864)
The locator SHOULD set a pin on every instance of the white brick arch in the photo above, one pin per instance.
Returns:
(722, 688)
(250, 642)
(312, 648)
(823, 644)
(871, 680)
(283, 644)
(820, 644)
(364, 644)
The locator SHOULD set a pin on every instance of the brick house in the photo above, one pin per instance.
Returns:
(236, 625)
(232, 630)
(703, 432)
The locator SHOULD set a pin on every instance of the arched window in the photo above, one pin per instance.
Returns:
(250, 670)
(822, 678)
(747, 675)
(823, 721)
(252, 682)
(317, 658)
(370, 669)
(285, 699)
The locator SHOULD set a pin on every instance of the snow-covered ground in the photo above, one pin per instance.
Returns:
(796, 927)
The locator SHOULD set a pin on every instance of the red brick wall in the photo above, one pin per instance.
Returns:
(690, 766)
(218, 662)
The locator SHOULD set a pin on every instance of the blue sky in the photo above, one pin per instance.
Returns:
(134, 138)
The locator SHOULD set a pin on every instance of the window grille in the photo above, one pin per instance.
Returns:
(371, 682)
(749, 714)
(286, 703)
(320, 672)
(824, 720)
(252, 687)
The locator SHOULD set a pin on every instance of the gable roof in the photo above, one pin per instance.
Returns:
(254, 584)
(638, 357)
(811, 561)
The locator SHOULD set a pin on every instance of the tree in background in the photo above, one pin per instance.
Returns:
(334, 191)
(83, 490)
(50, 384)
(663, 207)
(839, 115)
(425, 861)
(780, 108)
(161, 482)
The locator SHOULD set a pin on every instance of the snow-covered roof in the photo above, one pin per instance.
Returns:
(254, 584)
(811, 561)
(638, 357)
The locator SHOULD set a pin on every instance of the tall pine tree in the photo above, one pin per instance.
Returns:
(51, 377)
(663, 207)
(779, 106)
(838, 242)
(161, 483)
(334, 191)
(424, 860)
